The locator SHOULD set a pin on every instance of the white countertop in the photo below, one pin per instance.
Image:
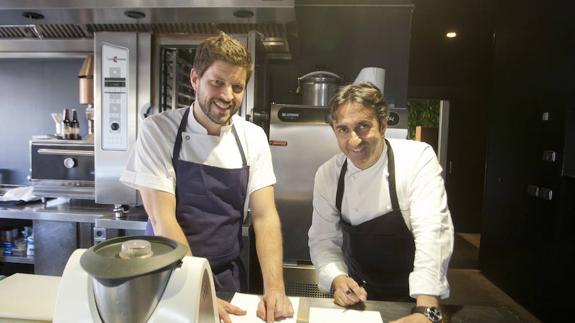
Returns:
(28, 298)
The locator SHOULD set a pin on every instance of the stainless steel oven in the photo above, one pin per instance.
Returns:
(62, 168)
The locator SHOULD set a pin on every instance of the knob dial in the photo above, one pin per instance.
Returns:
(115, 126)
(70, 162)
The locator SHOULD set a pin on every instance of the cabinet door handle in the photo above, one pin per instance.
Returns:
(65, 152)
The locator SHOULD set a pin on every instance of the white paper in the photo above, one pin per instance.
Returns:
(25, 193)
(342, 315)
(250, 303)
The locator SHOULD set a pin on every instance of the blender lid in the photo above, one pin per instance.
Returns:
(107, 260)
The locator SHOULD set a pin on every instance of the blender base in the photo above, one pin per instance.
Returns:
(189, 295)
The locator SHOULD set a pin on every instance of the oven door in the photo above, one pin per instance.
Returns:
(62, 169)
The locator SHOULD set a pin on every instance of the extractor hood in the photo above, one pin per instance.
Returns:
(79, 19)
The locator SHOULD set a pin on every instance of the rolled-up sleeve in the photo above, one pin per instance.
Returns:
(325, 236)
(431, 227)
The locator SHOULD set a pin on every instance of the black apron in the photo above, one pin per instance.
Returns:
(209, 208)
(379, 253)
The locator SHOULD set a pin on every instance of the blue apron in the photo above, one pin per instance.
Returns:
(209, 208)
(379, 253)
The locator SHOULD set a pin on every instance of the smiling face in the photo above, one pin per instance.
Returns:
(219, 93)
(359, 134)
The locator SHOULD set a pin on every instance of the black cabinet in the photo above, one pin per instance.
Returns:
(528, 241)
(55, 241)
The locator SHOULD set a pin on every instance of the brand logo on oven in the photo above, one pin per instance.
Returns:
(115, 59)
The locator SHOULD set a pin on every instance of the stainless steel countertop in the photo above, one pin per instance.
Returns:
(135, 220)
(77, 211)
(83, 211)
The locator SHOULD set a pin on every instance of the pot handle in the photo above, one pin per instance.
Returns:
(298, 90)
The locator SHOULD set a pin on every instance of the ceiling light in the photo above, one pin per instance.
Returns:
(134, 14)
(451, 34)
(243, 13)
(32, 15)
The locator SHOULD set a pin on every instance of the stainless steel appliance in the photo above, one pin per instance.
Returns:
(318, 87)
(135, 280)
(122, 86)
(301, 140)
(62, 168)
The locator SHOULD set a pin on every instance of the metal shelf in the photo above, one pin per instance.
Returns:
(17, 259)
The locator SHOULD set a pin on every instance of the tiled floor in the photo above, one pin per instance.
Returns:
(468, 286)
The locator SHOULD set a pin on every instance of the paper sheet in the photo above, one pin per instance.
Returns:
(250, 302)
(24, 193)
(342, 315)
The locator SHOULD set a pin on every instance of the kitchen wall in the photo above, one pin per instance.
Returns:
(343, 40)
(458, 70)
(31, 89)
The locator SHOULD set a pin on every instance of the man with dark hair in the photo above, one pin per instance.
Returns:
(197, 170)
(381, 228)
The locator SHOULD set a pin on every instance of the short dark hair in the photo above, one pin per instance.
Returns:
(364, 93)
(223, 48)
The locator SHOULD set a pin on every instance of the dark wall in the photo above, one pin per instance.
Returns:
(31, 89)
(457, 70)
(527, 242)
(343, 40)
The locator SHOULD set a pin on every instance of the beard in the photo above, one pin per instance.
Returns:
(212, 108)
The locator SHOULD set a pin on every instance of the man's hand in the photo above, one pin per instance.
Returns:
(347, 291)
(274, 305)
(225, 309)
(421, 300)
(412, 318)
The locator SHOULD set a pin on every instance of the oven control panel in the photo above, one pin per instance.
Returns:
(115, 63)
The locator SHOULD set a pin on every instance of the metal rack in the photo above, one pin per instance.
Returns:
(17, 259)
(176, 91)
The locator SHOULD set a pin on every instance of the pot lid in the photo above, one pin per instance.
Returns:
(320, 77)
(128, 257)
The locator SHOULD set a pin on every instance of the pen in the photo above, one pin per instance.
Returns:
(362, 283)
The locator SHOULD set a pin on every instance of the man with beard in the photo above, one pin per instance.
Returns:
(198, 168)
(381, 228)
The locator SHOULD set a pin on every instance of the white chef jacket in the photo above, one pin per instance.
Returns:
(150, 162)
(423, 204)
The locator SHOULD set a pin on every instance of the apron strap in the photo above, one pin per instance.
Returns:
(391, 185)
(340, 186)
(178, 142)
(391, 170)
(239, 144)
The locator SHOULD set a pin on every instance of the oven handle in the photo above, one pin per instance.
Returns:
(65, 152)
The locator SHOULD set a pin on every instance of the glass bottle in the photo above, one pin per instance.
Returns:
(75, 126)
(66, 131)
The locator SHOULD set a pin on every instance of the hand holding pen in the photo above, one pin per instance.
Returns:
(347, 291)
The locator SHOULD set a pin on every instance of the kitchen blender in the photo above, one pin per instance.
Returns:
(134, 280)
